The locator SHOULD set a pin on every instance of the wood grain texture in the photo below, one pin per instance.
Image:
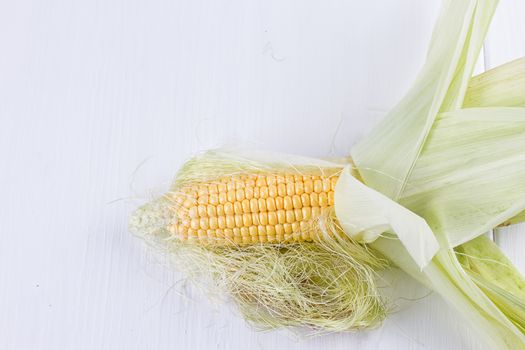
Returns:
(100, 101)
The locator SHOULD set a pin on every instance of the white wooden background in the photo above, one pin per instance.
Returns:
(89, 90)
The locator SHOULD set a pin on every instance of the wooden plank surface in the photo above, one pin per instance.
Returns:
(102, 101)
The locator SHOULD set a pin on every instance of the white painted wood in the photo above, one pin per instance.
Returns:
(506, 42)
(91, 90)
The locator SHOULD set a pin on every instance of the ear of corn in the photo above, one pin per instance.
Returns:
(263, 231)
(252, 208)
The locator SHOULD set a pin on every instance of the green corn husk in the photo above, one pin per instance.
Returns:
(461, 169)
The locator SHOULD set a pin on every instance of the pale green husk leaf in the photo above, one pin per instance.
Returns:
(470, 175)
(366, 214)
(459, 169)
(386, 157)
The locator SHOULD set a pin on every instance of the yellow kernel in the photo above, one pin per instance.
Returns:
(305, 200)
(228, 234)
(279, 238)
(220, 210)
(223, 198)
(288, 203)
(296, 227)
(254, 206)
(247, 220)
(231, 196)
(261, 181)
(213, 222)
(202, 190)
(290, 217)
(323, 199)
(261, 230)
(331, 198)
(203, 199)
(230, 221)
(221, 187)
(231, 185)
(296, 201)
(272, 218)
(204, 223)
(221, 221)
(279, 203)
(279, 229)
(314, 200)
(263, 218)
(290, 189)
(228, 208)
(307, 213)
(193, 213)
(219, 233)
(186, 222)
(289, 178)
(249, 183)
(256, 192)
(326, 185)
(238, 220)
(237, 208)
(316, 211)
(236, 232)
(287, 228)
(263, 239)
(239, 184)
(253, 230)
(333, 182)
(270, 204)
(245, 206)
(298, 214)
(202, 234)
(271, 238)
(272, 191)
(308, 186)
(248, 192)
(262, 204)
(281, 190)
(318, 186)
(192, 233)
(214, 199)
(255, 218)
(213, 188)
(299, 187)
(246, 239)
(211, 210)
(189, 202)
(245, 231)
(271, 180)
(194, 224)
(263, 192)
(281, 216)
(239, 194)
(202, 210)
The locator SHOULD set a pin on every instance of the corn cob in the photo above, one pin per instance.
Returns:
(252, 208)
